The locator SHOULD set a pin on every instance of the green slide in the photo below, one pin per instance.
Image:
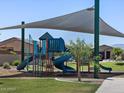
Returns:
(59, 63)
(24, 63)
(106, 68)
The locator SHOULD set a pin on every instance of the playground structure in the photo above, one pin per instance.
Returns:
(43, 56)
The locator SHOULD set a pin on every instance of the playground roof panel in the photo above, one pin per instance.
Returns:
(81, 21)
(46, 36)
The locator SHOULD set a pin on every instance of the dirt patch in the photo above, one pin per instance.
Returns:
(9, 72)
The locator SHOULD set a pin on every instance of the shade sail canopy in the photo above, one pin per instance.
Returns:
(81, 21)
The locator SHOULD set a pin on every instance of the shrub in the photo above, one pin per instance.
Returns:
(1, 65)
(120, 63)
(119, 58)
(6, 66)
(122, 56)
(10, 63)
(15, 63)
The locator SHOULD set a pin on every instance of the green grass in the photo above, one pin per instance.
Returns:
(44, 86)
(116, 66)
(73, 65)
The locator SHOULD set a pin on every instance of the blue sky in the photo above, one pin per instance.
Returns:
(15, 11)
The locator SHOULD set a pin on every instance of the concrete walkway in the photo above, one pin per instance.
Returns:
(83, 80)
(112, 85)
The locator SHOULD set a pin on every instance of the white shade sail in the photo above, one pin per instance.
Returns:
(81, 21)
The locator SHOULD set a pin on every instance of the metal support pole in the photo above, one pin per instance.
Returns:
(33, 61)
(22, 42)
(96, 39)
(47, 58)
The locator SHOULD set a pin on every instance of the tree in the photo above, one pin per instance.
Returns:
(87, 55)
(79, 49)
(117, 52)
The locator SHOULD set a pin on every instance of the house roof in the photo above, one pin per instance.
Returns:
(105, 47)
(12, 40)
(46, 36)
(9, 40)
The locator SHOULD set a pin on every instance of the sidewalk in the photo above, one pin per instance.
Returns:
(86, 80)
(112, 85)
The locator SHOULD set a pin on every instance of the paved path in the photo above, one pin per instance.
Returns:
(83, 80)
(112, 85)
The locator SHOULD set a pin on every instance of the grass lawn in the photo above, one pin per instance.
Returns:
(44, 86)
(73, 65)
(116, 66)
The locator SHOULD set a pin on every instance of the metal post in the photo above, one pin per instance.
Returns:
(47, 62)
(33, 61)
(22, 42)
(96, 39)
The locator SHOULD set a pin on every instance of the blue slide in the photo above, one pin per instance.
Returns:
(59, 63)
(24, 63)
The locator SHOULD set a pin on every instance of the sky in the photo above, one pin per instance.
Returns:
(15, 11)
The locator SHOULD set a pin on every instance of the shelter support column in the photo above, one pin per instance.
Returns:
(22, 42)
(96, 39)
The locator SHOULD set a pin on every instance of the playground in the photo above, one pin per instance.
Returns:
(44, 62)
(50, 63)
(51, 58)
(54, 66)
(43, 59)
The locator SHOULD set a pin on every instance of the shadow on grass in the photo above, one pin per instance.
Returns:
(1, 83)
(119, 64)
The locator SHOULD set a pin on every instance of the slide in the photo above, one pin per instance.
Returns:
(24, 63)
(106, 68)
(59, 63)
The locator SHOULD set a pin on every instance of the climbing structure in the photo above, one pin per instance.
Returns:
(43, 58)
